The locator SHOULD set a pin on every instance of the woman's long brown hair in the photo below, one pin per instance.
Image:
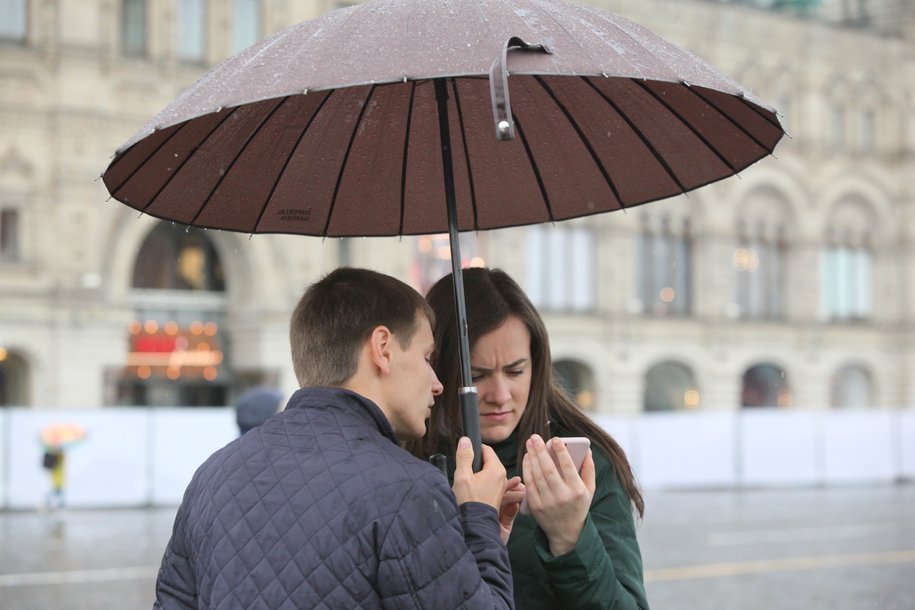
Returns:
(491, 297)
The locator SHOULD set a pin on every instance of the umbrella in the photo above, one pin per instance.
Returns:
(394, 117)
(61, 436)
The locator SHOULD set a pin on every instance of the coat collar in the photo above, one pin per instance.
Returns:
(345, 400)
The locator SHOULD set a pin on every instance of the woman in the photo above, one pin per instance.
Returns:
(578, 546)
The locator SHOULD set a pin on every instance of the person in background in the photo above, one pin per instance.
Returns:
(255, 406)
(578, 548)
(320, 507)
(53, 461)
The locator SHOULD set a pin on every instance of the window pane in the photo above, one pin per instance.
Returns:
(852, 387)
(680, 270)
(9, 235)
(558, 265)
(171, 259)
(134, 27)
(670, 386)
(190, 29)
(247, 23)
(863, 272)
(536, 269)
(765, 385)
(12, 19)
(583, 257)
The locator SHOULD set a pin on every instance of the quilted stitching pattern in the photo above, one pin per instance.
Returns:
(319, 508)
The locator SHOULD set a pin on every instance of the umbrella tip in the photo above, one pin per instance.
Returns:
(140, 215)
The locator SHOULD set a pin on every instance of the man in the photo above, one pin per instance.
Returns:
(319, 507)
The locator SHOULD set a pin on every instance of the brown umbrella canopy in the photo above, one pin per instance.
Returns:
(423, 116)
(330, 127)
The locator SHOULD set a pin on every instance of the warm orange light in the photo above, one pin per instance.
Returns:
(151, 327)
(746, 259)
(477, 261)
(691, 398)
(585, 399)
(425, 245)
(209, 373)
(3, 354)
(171, 327)
(210, 329)
(173, 372)
(196, 327)
(143, 372)
(668, 294)
(135, 327)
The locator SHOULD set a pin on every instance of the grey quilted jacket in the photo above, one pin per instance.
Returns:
(320, 508)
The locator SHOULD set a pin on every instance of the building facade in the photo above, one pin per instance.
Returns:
(791, 286)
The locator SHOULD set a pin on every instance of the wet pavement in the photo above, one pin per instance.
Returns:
(849, 548)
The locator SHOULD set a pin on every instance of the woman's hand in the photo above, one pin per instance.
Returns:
(559, 498)
(511, 504)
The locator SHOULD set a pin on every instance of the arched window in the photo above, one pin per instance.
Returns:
(578, 380)
(765, 385)
(852, 387)
(14, 379)
(177, 344)
(172, 258)
(670, 386)
(847, 263)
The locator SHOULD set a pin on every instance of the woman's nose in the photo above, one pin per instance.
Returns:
(498, 392)
(437, 387)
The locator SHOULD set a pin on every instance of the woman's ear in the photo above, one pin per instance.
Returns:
(380, 344)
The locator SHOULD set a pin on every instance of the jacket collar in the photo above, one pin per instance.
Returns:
(345, 400)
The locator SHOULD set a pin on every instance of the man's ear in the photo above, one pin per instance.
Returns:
(380, 348)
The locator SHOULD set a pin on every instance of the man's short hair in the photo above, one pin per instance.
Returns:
(339, 312)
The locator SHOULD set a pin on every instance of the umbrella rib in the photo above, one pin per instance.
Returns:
(645, 140)
(148, 157)
(689, 125)
(406, 154)
(535, 168)
(238, 154)
(186, 159)
(736, 124)
(584, 140)
(349, 148)
(473, 193)
(288, 160)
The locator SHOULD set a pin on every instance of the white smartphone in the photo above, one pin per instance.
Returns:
(578, 448)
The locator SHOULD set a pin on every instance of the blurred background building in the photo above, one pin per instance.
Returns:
(792, 286)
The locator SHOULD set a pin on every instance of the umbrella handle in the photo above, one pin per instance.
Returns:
(470, 418)
(498, 86)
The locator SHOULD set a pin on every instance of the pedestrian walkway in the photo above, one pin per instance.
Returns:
(847, 548)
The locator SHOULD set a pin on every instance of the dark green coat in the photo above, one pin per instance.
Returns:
(604, 570)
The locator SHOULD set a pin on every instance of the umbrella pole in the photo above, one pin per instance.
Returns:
(470, 412)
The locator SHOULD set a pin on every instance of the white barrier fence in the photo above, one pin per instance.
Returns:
(139, 457)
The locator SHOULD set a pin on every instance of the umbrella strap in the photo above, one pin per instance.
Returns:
(498, 86)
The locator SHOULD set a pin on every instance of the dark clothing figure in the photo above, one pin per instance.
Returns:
(255, 406)
(320, 508)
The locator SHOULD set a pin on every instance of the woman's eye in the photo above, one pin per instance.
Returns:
(516, 372)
